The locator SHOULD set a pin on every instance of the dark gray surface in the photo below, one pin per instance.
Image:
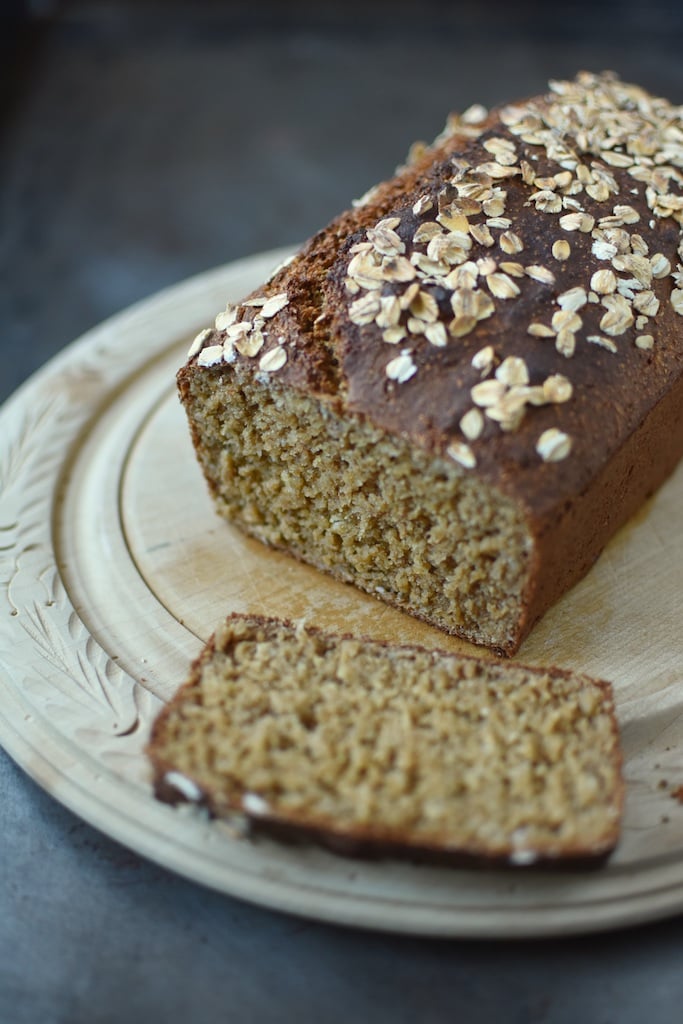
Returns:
(143, 143)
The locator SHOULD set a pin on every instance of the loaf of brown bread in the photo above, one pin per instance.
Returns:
(373, 749)
(456, 392)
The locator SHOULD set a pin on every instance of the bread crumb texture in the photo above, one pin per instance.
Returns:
(376, 743)
(363, 505)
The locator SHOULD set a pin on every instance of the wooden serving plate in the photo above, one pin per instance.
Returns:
(115, 569)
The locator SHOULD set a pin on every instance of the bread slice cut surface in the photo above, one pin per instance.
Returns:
(371, 748)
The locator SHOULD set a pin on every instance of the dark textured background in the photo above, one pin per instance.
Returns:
(144, 142)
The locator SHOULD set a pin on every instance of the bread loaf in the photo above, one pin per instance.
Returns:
(456, 393)
(375, 749)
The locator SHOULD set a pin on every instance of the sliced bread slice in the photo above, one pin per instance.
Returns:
(381, 749)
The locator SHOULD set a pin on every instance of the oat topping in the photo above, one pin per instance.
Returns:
(577, 222)
(557, 388)
(597, 339)
(248, 344)
(660, 266)
(572, 299)
(553, 445)
(198, 343)
(402, 367)
(589, 132)
(502, 286)
(513, 370)
(619, 315)
(274, 304)
(488, 392)
(226, 319)
(423, 205)
(604, 282)
(540, 274)
(565, 342)
(482, 234)
(472, 424)
(183, 785)
(484, 359)
(462, 453)
(561, 250)
(210, 356)
(512, 268)
(474, 114)
(244, 336)
(428, 275)
(541, 331)
(273, 360)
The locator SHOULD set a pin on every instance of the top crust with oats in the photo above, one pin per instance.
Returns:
(456, 392)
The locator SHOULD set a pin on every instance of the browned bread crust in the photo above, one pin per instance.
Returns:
(374, 749)
(509, 303)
